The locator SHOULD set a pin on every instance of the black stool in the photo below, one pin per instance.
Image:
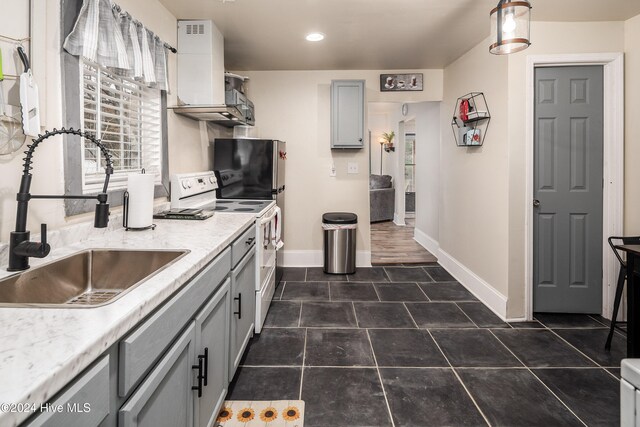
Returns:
(633, 240)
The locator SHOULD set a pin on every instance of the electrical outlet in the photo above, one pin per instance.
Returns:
(352, 168)
(332, 169)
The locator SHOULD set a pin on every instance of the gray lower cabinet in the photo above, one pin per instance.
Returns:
(84, 404)
(243, 291)
(165, 398)
(174, 368)
(347, 113)
(212, 342)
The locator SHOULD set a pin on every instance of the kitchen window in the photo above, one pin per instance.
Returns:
(126, 116)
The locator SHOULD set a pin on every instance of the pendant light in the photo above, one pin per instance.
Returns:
(510, 27)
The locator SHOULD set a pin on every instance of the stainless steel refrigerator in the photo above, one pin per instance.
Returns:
(248, 168)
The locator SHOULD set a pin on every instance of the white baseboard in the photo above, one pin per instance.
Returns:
(310, 258)
(397, 221)
(426, 242)
(476, 285)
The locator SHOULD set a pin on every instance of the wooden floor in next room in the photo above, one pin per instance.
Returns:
(410, 346)
(393, 244)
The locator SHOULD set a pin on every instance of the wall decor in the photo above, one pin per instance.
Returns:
(471, 119)
(401, 82)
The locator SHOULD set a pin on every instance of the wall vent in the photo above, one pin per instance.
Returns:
(195, 28)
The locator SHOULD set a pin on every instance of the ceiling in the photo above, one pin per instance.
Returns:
(367, 34)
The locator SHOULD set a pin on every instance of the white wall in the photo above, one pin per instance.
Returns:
(632, 148)
(185, 143)
(295, 106)
(427, 129)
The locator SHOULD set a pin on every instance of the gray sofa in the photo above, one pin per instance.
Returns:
(381, 198)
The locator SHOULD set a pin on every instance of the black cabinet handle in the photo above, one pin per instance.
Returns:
(239, 312)
(200, 377)
(206, 364)
(249, 241)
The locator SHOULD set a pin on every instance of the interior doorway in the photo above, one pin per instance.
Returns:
(393, 185)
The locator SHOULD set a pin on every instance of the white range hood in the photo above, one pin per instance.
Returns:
(201, 80)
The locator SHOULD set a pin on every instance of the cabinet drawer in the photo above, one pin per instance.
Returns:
(242, 245)
(140, 349)
(84, 404)
(165, 398)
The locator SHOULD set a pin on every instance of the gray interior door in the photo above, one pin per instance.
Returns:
(567, 229)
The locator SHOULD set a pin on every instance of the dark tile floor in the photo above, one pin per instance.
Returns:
(409, 346)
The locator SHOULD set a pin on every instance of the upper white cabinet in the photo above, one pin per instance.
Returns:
(347, 113)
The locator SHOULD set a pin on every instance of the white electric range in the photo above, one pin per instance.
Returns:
(194, 194)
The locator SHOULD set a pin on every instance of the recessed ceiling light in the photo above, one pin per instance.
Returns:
(314, 37)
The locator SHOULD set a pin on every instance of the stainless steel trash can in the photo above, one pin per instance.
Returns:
(339, 242)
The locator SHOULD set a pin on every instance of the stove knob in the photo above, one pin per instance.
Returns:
(211, 179)
(184, 184)
(189, 183)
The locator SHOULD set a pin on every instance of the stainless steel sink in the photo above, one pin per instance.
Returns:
(90, 278)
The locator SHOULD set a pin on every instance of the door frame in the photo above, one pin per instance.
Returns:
(613, 163)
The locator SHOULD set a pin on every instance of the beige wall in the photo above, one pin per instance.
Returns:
(632, 106)
(295, 106)
(383, 117)
(487, 185)
(49, 178)
(185, 147)
(474, 181)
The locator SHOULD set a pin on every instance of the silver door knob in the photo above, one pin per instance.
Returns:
(536, 203)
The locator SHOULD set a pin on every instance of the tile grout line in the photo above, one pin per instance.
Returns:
(300, 314)
(422, 290)
(615, 329)
(353, 306)
(466, 368)
(376, 291)
(284, 284)
(329, 290)
(410, 315)
(428, 275)
(538, 378)
(573, 347)
(306, 272)
(384, 392)
(455, 373)
(467, 316)
(304, 356)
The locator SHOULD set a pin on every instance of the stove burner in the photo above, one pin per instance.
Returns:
(225, 202)
(243, 210)
(220, 208)
(250, 203)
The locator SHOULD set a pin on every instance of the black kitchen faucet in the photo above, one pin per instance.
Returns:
(20, 247)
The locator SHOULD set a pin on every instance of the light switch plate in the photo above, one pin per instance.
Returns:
(352, 167)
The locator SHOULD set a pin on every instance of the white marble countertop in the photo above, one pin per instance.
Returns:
(42, 349)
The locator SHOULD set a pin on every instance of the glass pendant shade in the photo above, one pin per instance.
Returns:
(510, 27)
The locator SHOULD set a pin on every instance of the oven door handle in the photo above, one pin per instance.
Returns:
(268, 219)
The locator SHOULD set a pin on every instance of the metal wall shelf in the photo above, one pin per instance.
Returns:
(471, 119)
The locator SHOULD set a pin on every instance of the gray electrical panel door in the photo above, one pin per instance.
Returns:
(347, 113)
(567, 205)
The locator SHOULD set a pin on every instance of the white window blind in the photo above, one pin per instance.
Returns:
(125, 115)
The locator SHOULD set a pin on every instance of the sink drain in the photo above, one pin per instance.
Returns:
(94, 297)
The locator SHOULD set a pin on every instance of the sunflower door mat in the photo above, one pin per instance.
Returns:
(266, 413)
